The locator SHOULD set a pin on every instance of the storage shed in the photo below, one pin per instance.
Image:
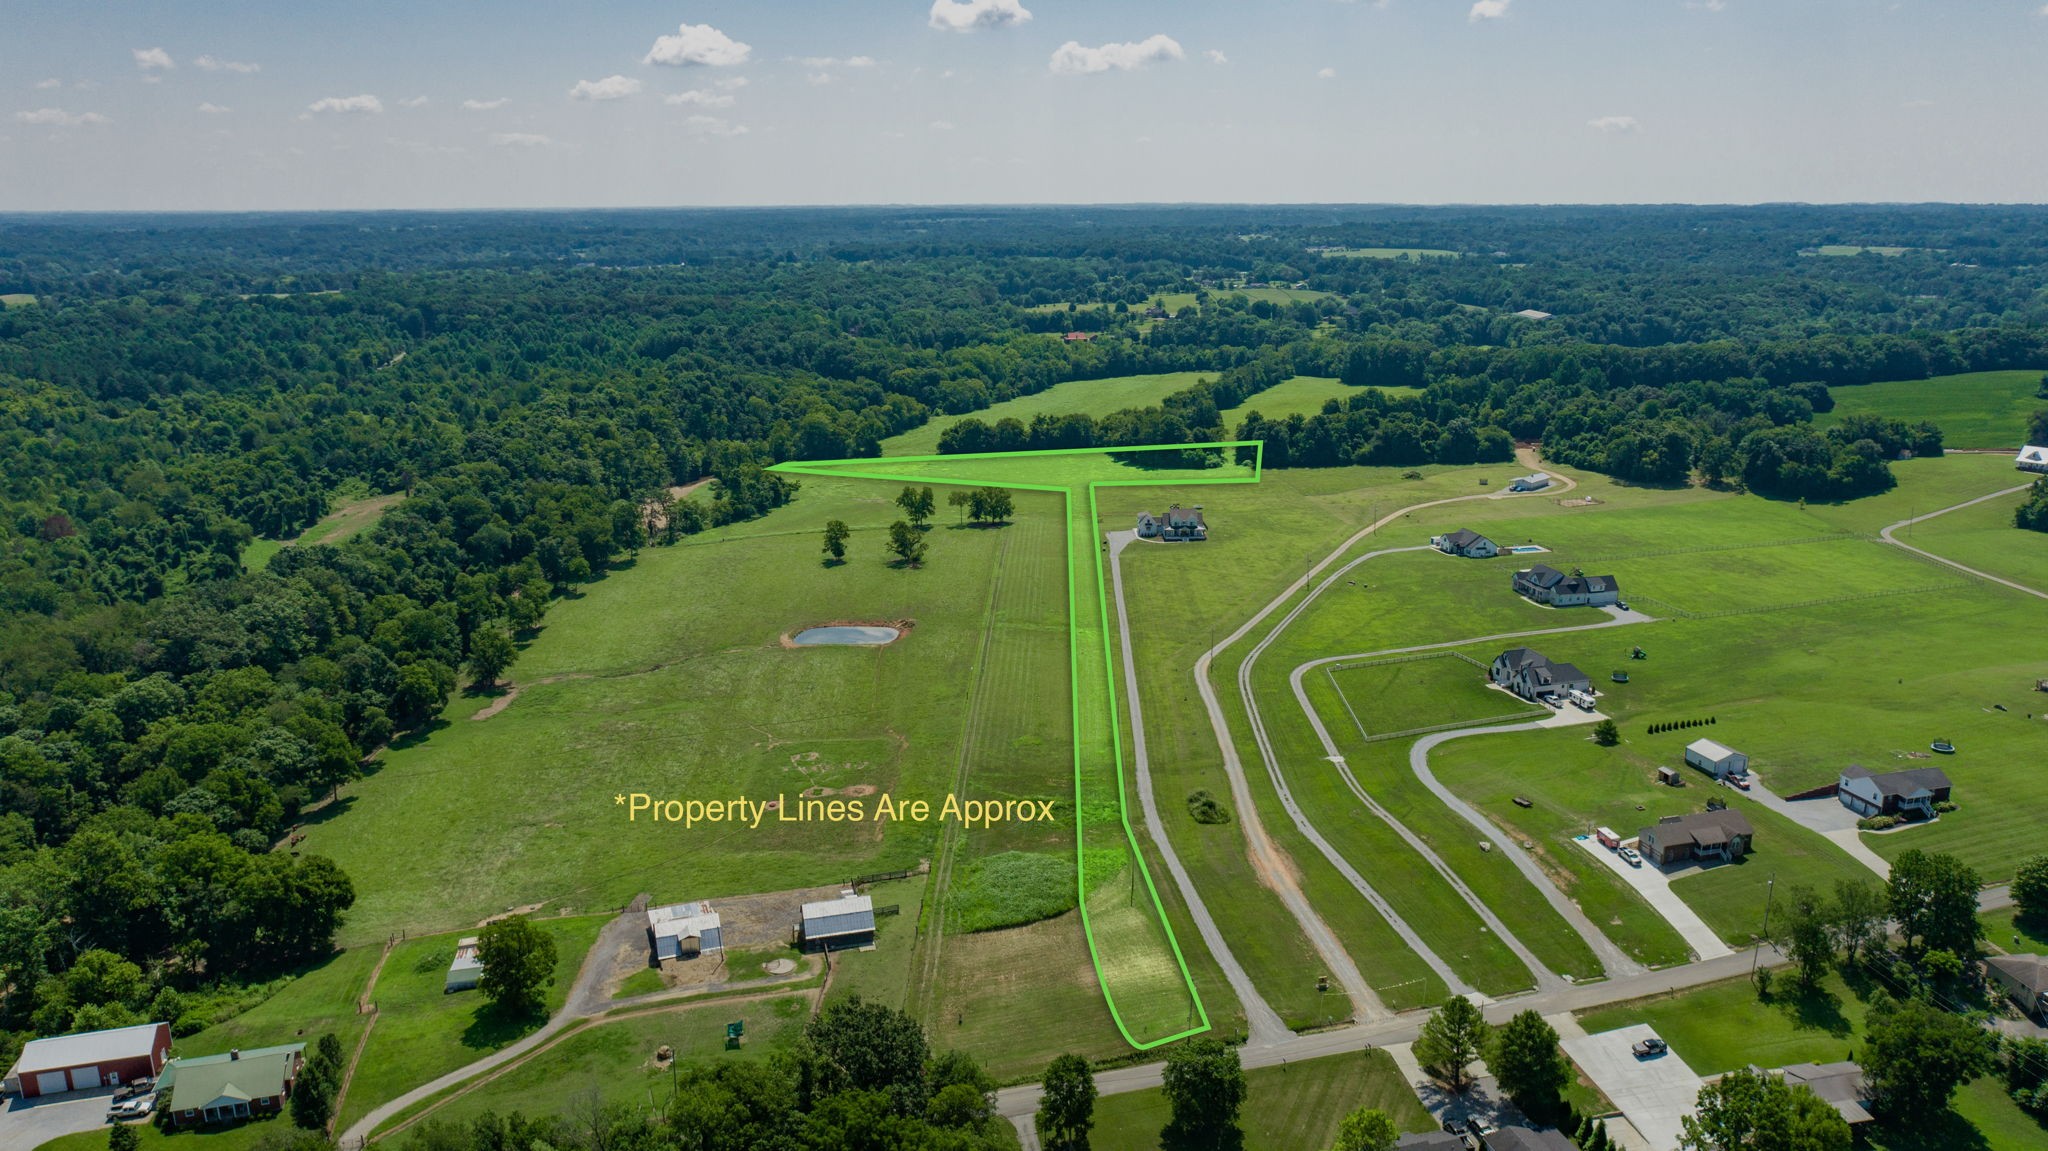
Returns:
(834, 924)
(684, 930)
(466, 970)
(89, 1059)
(1716, 759)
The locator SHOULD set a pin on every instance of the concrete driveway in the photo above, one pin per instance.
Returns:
(1655, 888)
(26, 1124)
(1826, 816)
(1655, 1093)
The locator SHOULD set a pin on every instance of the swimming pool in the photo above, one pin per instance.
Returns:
(1528, 549)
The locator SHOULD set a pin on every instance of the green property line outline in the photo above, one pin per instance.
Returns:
(856, 469)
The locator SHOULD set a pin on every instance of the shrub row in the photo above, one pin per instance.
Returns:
(1681, 725)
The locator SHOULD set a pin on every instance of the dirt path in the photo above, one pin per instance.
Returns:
(1886, 533)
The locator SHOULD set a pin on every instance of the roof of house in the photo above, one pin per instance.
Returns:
(1557, 673)
(192, 1083)
(1542, 575)
(1901, 783)
(1177, 516)
(2029, 971)
(1701, 828)
(1838, 1084)
(845, 915)
(466, 956)
(2033, 454)
(1464, 538)
(1527, 1139)
(1550, 579)
(1430, 1141)
(1533, 314)
(679, 920)
(87, 1047)
(1520, 657)
(1711, 750)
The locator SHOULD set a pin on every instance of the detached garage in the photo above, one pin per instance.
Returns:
(90, 1059)
(1715, 759)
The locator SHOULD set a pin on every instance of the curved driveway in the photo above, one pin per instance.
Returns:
(1886, 534)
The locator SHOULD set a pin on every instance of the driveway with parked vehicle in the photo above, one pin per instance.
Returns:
(1655, 887)
(26, 1124)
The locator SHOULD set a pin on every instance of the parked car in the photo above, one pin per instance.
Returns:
(134, 1108)
(1741, 781)
(1629, 856)
(1648, 1047)
(1622, 604)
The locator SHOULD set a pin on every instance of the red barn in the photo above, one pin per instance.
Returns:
(90, 1059)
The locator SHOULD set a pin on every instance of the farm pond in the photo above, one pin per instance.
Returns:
(846, 636)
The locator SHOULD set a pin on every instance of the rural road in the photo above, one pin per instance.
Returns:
(1889, 538)
(1263, 1022)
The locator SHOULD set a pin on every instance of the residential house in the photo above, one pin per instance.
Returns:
(1078, 337)
(466, 970)
(1533, 482)
(1148, 526)
(1839, 1085)
(1526, 1139)
(1431, 1141)
(1704, 836)
(684, 930)
(2032, 458)
(1547, 585)
(1911, 793)
(1532, 314)
(1177, 524)
(223, 1088)
(1716, 759)
(1466, 542)
(89, 1059)
(2024, 978)
(1531, 674)
(836, 924)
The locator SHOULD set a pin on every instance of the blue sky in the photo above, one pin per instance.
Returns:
(236, 105)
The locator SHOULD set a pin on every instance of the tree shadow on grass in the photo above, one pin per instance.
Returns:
(1182, 1137)
(1816, 1010)
(1946, 1131)
(418, 735)
(493, 1027)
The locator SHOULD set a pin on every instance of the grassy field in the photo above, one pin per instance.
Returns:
(1301, 395)
(1390, 253)
(1293, 1107)
(1722, 1027)
(1983, 537)
(2009, 933)
(882, 975)
(349, 517)
(16, 299)
(1175, 301)
(1974, 409)
(1094, 397)
(422, 1032)
(1859, 249)
(1402, 693)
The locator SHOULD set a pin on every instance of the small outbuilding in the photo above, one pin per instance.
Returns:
(1839, 1085)
(2032, 458)
(2024, 978)
(1717, 836)
(1533, 482)
(1911, 793)
(838, 924)
(1465, 542)
(1431, 1141)
(1717, 760)
(240, 1084)
(89, 1059)
(684, 930)
(466, 970)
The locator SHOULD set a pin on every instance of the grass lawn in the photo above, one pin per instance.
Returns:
(1859, 249)
(349, 517)
(1173, 302)
(643, 982)
(1301, 395)
(1722, 1026)
(1390, 253)
(1095, 397)
(16, 299)
(883, 975)
(1973, 409)
(1983, 537)
(240, 1137)
(1402, 693)
(1293, 1107)
(311, 1003)
(422, 1033)
(2014, 935)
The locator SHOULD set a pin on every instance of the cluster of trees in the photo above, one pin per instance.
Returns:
(312, 1099)
(1931, 899)
(518, 961)
(862, 1075)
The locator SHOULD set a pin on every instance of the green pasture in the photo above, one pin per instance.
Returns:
(1292, 1107)
(1301, 395)
(1174, 302)
(883, 974)
(1859, 249)
(1402, 693)
(1096, 398)
(16, 299)
(1983, 537)
(1389, 253)
(422, 1032)
(349, 517)
(1973, 409)
(2007, 931)
(311, 1003)
(1723, 1026)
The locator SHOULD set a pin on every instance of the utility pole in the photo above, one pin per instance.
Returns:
(1770, 889)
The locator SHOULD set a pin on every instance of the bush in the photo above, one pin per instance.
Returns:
(1945, 806)
(1877, 823)
(1205, 808)
(1011, 889)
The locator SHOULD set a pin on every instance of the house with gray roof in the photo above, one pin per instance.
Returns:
(2024, 978)
(837, 924)
(1465, 542)
(203, 1089)
(1704, 837)
(1526, 1139)
(1911, 793)
(1839, 1085)
(1546, 585)
(1531, 674)
(2032, 458)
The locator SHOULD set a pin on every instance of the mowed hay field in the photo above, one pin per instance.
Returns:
(1292, 1107)
(1097, 398)
(1301, 395)
(1973, 409)
(668, 678)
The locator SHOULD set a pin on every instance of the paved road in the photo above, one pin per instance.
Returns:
(26, 1124)
(1896, 542)
(1654, 885)
(1262, 1021)
(1022, 1100)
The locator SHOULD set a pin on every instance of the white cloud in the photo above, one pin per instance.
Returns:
(1707, 5)
(216, 64)
(697, 44)
(1326, 74)
(52, 82)
(348, 104)
(153, 58)
(836, 62)
(732, 82)
(713, 126)
(700, 97)
(1614, 124)
(967, 15)
(413, 102)
(59, 118)
(1214, 56)
(609, 88)
(942, 125)
(1077, 58)
(485, 105)
(520, 140)
(212, 109)
(818, 79)
(1487, 10)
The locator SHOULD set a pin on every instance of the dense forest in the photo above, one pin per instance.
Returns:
(534, 384)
